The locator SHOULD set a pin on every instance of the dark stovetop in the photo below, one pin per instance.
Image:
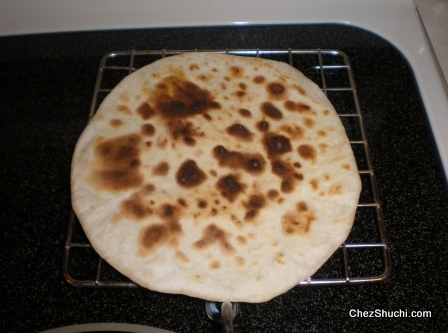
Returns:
(47, 83)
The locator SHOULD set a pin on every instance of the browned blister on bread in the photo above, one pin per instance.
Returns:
(220, 177)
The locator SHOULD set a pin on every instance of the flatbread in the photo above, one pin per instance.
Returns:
(220, 177)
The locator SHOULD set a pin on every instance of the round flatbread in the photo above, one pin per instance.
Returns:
(220, 177)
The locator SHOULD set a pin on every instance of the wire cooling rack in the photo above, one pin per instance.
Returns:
(363, 258)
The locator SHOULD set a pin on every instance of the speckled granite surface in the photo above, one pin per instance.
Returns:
(46, 88)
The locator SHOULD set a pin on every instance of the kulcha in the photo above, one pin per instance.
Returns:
(215, 176)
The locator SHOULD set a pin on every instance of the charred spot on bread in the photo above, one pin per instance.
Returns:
(213, 235)
(240, 131)
(276, 144)
(189, 174)
(276, 91)
(271, 111)
(148, 130)
(230, 187)
(262, 126)
(276, 88)
(253, 205)
(117, 164)
(251, 163)
(245, 113)
(161, 169)
(307, 152)
(183, 99)
(259, 79)
(299, 221)
(116, 123)
(145, 111)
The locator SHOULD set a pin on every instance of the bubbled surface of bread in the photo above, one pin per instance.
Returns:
(220, 177)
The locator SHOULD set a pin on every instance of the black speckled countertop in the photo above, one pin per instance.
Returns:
(47, 83)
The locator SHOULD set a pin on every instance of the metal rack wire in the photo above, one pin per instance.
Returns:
(363, 258)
